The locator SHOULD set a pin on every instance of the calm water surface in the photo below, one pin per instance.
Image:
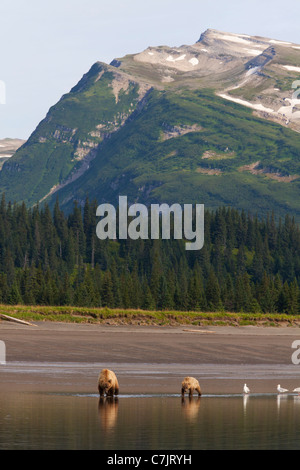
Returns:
(157, 422)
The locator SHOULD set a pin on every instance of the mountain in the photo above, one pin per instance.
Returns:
(216, 122)
(8, 147)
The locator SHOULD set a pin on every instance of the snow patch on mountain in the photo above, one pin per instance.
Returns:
(194, 61)
(234, 38)
(256, 106)
(274, 41)
(291, 68)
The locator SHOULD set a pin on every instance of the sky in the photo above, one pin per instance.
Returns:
(46, 46)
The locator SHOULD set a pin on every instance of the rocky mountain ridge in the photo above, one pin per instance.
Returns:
(236, 66)
(193, 117)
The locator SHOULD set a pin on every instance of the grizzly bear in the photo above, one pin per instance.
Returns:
(108, 383)
(190, 385)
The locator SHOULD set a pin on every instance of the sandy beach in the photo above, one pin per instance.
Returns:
(61, 357)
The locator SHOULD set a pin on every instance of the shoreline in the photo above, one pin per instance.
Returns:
(67, 358)
(130, 317)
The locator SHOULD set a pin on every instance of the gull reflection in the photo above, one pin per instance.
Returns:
(108, 412)
(245, 401)
(278, 401)
(190, 407)
(280, 398)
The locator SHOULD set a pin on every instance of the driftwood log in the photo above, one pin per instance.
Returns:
(15, 320)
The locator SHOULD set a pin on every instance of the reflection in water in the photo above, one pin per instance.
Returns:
(278, 401)
(245, 401)
(281, 398)
(74, 422)
(108, 412)
(190, 407)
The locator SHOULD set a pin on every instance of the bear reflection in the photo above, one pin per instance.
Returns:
(108, 412)
(191, 407)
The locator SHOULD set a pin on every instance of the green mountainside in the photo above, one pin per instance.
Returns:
(215, 123)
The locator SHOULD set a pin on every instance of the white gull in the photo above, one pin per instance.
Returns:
(281, 390)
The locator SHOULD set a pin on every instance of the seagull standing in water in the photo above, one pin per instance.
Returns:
(297, 390)
(246, 389)
(281, 390)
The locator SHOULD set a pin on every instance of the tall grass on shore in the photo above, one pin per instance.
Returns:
(107, 316)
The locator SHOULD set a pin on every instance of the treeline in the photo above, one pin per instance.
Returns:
(49, 258)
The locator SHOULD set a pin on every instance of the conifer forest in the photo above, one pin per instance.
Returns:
(247, 264)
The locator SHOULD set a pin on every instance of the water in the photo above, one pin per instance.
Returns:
(148, 422)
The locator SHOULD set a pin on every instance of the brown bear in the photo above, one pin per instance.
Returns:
(190, 385)
(108, 383)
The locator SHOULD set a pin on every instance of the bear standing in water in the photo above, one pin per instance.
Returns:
(190, 385)
(108, 383)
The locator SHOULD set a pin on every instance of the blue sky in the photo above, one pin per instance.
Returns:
(46, 46)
